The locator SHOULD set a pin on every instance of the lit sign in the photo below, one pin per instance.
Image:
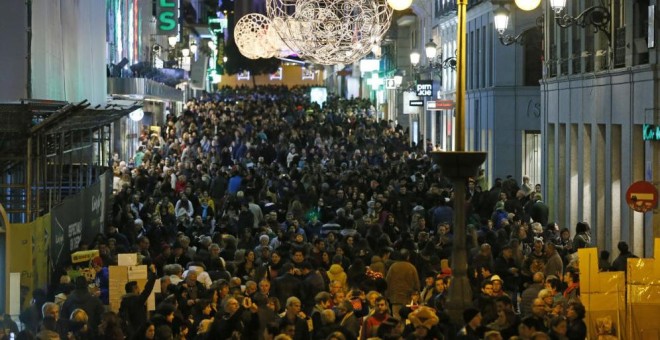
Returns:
(369, 65)
(443, 104)
(277, 75)
(651, 132)
(307, 74)
(318, 95)
(168, 17)
(424, 88)
(245, 75)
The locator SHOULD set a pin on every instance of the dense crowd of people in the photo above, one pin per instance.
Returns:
(264, 216)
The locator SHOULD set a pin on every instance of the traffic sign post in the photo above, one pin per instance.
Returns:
(642, 196)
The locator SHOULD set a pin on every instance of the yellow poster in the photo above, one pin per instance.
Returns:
(19, 260)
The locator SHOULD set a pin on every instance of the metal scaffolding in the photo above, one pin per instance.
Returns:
(50, 150)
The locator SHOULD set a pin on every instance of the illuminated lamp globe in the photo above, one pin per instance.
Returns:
(501, 19)
(414, 58)
(399, 5)
(172, 40)
(136, 115)
(528, 5)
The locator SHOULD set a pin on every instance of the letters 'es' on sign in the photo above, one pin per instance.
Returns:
(167, 17)
(424, 88)
(642, 196)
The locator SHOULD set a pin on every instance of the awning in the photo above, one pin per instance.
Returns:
(82, 117)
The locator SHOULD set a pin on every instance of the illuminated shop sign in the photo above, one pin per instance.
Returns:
(167, 16)
(651, 132)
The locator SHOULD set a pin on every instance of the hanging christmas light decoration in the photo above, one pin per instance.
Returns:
(250, 35)
(330, 31)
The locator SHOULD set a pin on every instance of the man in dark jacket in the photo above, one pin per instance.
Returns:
(81, 298)
(294, 317)
(287, 284)
(132, 309)
(236, 321)
(620, 263)
(539, 211)
(312, 284)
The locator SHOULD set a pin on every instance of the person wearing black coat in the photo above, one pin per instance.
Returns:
(577, 329)
(83, 299)
(311, 285)
(286, 284)
(133, 310)
(240, 321)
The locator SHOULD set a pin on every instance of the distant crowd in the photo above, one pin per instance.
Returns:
(264, 216)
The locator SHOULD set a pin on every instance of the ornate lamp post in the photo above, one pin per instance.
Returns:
(458, 166)
(501, 23)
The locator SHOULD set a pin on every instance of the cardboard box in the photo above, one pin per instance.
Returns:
(127, 259)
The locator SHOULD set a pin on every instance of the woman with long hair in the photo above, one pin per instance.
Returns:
(110, 328)
(247, 269)
(146, 332)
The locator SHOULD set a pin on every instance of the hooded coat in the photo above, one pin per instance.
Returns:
(337, 273)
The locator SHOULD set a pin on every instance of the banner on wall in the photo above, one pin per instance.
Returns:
(40, 250)
(79, 219)
(20, 242)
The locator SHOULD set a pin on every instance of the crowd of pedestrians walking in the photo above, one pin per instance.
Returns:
(264, 216)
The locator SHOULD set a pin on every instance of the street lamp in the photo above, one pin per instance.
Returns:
(193, 47)
(435, 61)
(557, 5)
(398, 78)
(399, 5)
(501, 19)
(414, 58)
(185, 52)
(501, 23)
(597, 16)
(431, 49)
(172, 40)
(528, 5)
(458, 166)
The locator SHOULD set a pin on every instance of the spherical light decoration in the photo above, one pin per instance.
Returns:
(275, 45)
(399, 5)
(528, 5)
(247, 35)
(330, 32)
(250, 36)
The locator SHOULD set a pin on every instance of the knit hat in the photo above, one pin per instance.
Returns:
(469, 314)
(499, 205)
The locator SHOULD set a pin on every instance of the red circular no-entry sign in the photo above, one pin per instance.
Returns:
(642, 196)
